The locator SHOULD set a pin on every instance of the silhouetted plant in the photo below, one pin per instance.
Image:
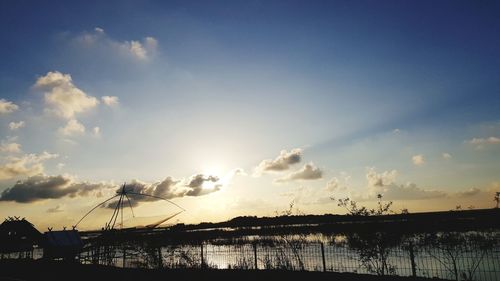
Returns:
(294, 242)
(497, 198)
(352, 207)
(374, 247)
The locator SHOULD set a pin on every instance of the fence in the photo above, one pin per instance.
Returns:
(453, 256)
(403, 260)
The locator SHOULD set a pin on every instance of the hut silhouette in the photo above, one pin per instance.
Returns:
(18, 236)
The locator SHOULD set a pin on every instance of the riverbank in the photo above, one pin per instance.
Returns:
(11, 270)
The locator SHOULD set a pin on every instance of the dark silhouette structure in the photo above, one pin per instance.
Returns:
(18, 236)
(64, 244)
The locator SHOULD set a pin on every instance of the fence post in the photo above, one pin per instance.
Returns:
(160, 258)
(124, 256)
(323, 256)
(202, 258)
(255, 255)
(412, 259)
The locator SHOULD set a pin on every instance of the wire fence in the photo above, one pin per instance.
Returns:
(457, 257)
(403, 260)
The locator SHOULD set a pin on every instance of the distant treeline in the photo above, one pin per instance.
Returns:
(461, 221)
(464, 219)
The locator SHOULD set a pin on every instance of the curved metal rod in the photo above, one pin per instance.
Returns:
(94, 209)
(130, 204)
(142, 194)
(117, 211)
(154, 225)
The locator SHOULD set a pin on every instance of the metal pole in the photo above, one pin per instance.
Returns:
(124, 256)
(412, 260)
(323, 256)
(160, 258)
(202, 258)
(255, 255)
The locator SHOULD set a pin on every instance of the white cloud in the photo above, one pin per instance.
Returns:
(136, 48)
(280, 163)
(16, 125)
(332, 185)
(308, 172)
(73, 127)
(63, 97)
(7, 107)
(10, 147)
(110, 100)
(60, 166)
(418, 160)
(25, 165)
(385, 178)
(96, 131)
(446, 156)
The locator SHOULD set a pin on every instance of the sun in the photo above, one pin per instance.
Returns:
(219, 171)
(213, 170)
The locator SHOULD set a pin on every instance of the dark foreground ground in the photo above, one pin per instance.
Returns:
(49, 270)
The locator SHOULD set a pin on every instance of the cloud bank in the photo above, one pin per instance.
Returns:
(385, 183)
(308, 172)
(40, 187)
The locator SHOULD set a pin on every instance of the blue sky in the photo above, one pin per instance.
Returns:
(392, 97)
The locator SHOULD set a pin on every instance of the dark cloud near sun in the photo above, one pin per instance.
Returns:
(280, 163)
(168, 189)
(42, 187)
(196, 188)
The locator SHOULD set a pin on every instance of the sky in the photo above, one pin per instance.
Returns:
(240, 108)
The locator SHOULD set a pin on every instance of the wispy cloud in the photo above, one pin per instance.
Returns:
(418, 159)
(140, 50)
(57, 209)
(110, 100)
(482, 142)
(468, 193)
(16, 125)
